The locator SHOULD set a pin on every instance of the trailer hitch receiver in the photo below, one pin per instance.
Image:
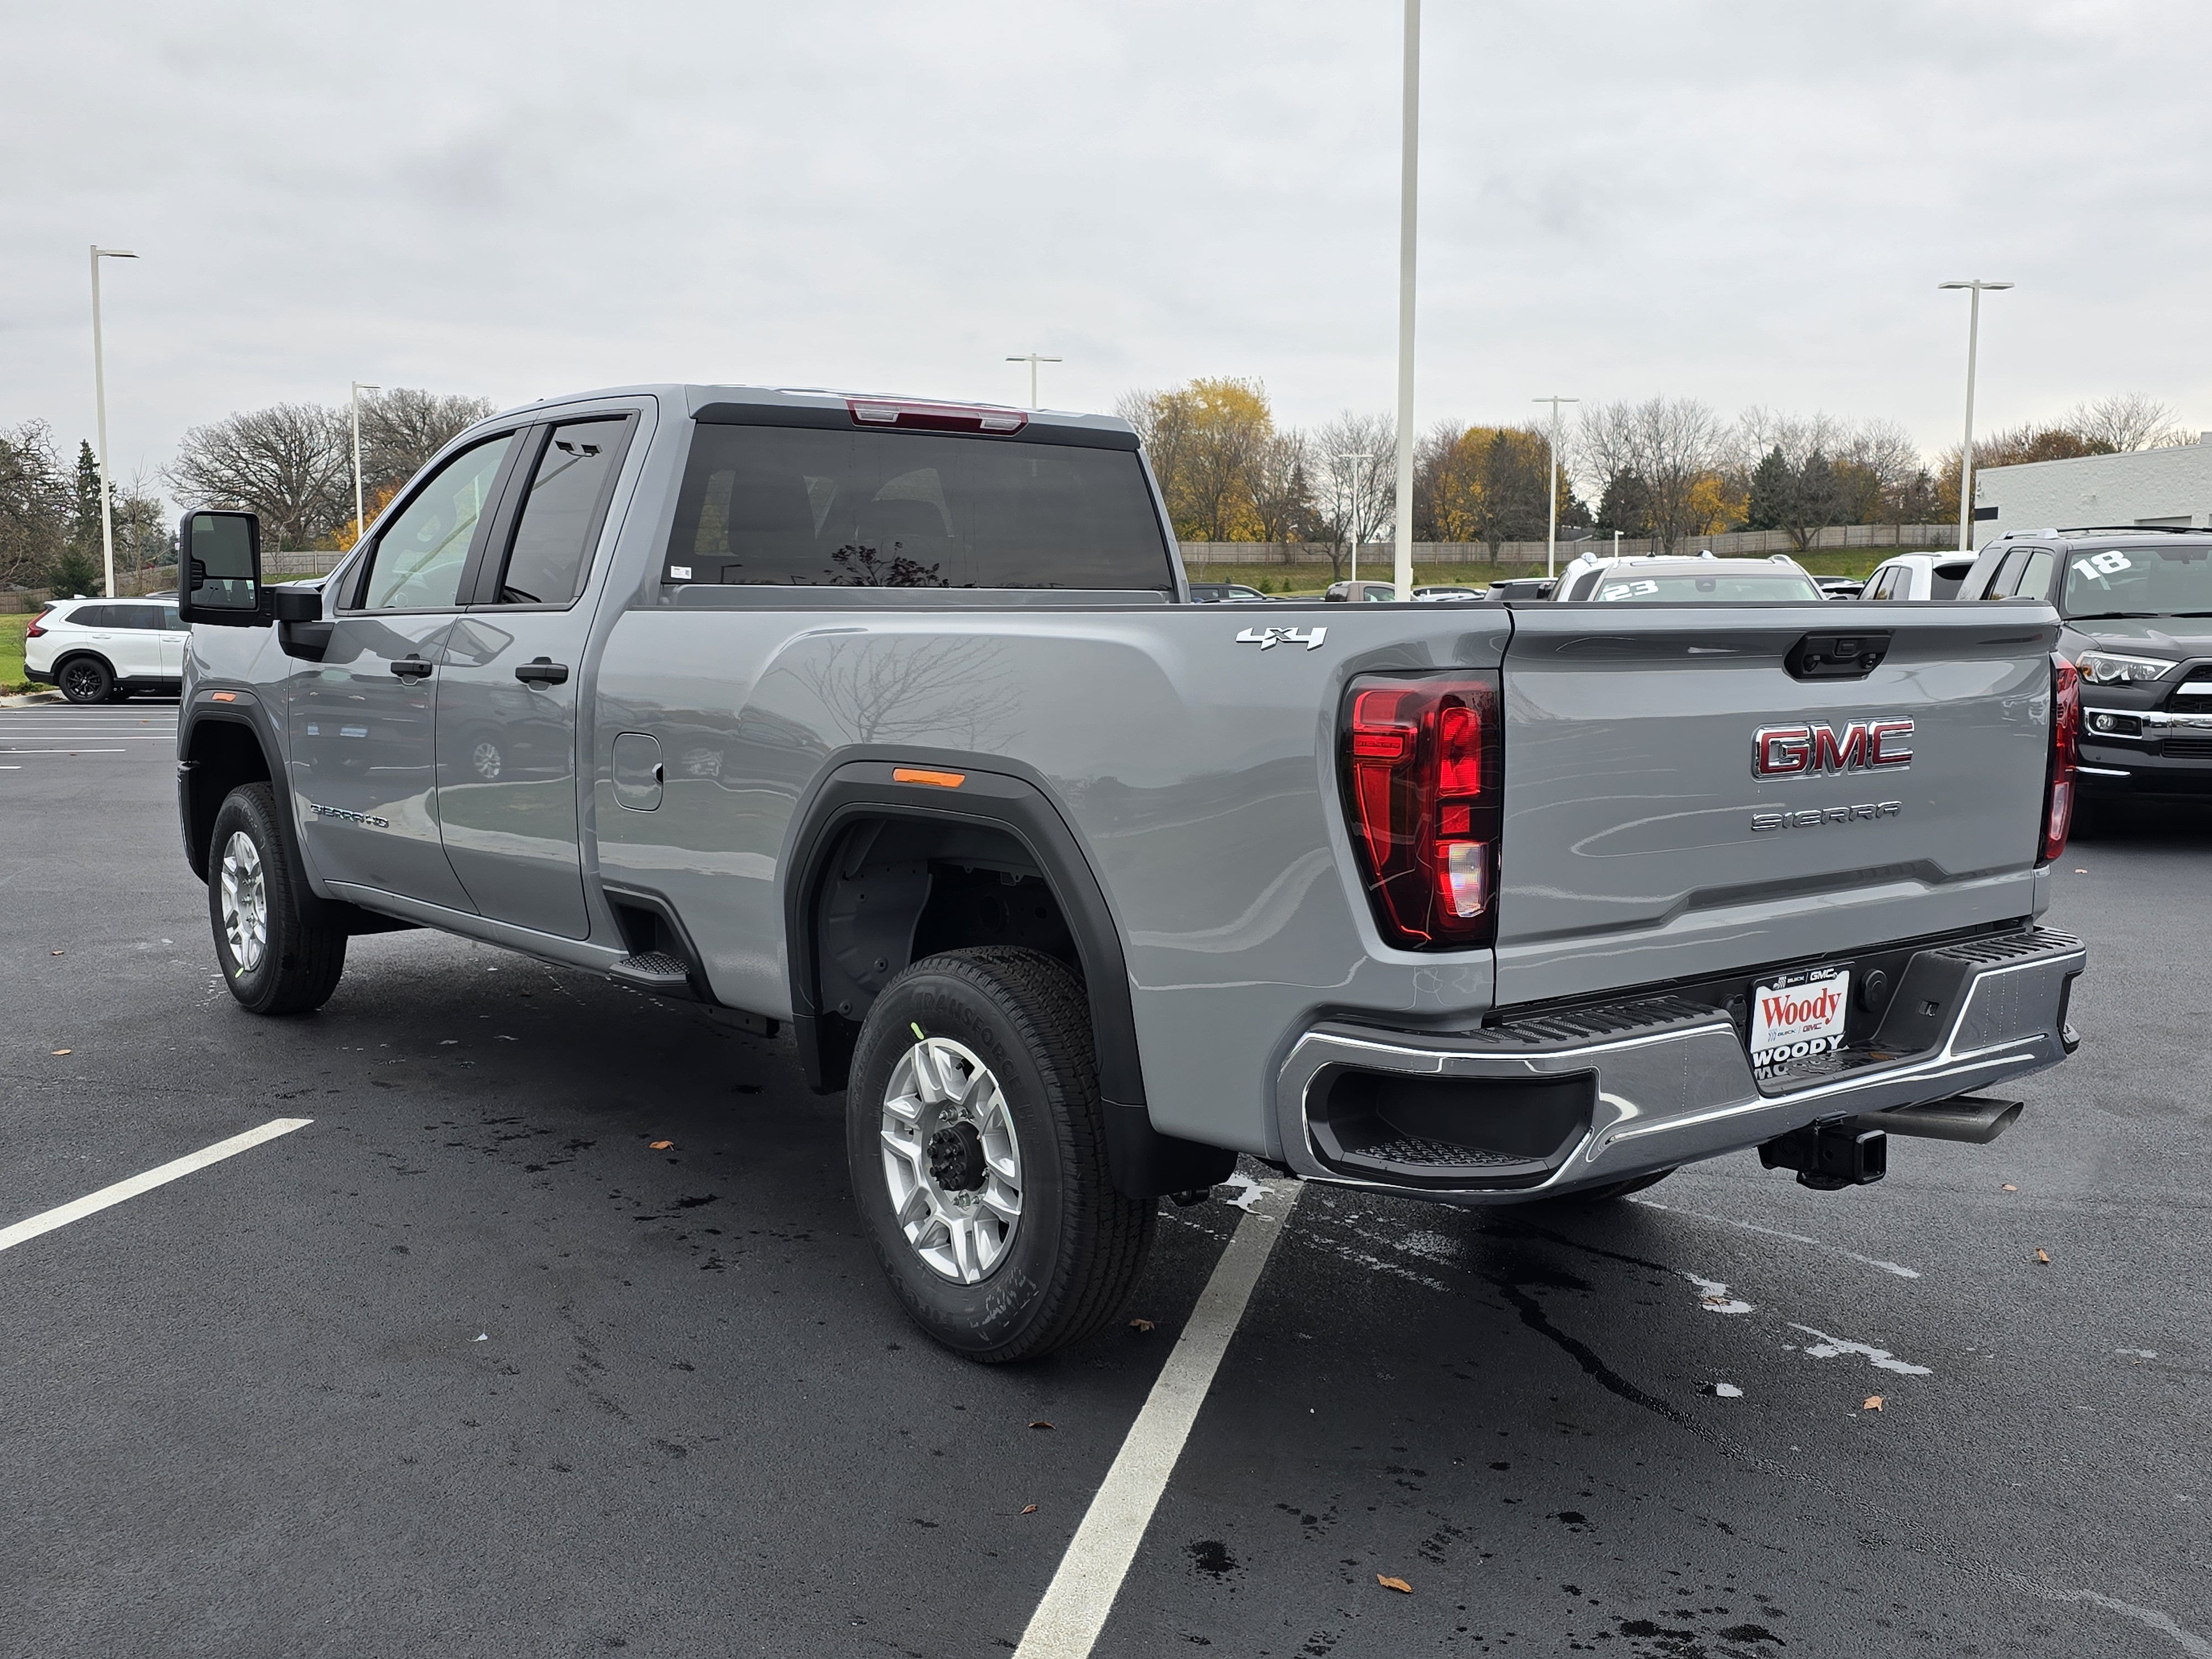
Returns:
(1832, 1155)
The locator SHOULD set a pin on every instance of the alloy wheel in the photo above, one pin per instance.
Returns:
(245, 894)
(951, 1159)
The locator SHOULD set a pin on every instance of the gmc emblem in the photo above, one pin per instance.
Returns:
(1815, 750)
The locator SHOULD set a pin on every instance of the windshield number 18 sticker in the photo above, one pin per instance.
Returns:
(2098, 566)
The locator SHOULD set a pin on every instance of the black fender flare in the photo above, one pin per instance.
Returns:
(242, 708)
(993, 793)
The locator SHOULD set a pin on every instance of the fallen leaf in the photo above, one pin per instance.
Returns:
(662, 1146)
(64, 1051)
(2080, 871)
(2043, 1256)
(1040, 1423)
(2010, 1187)
(1029, 1508)
(55, 953)
(1397, 1584)
(1140, 1324)
(1872, 1403)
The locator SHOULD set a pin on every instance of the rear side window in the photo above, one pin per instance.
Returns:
(88, 615)
(1944, 581)
(147, 616)
(819, 507)
(567, 494)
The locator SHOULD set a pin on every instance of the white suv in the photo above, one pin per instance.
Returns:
(1918, 576)
(98, 650)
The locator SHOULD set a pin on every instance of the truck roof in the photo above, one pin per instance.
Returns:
(698, 399)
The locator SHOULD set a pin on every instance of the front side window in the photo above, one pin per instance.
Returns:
(417, 561)
(825, 507)
(2151, 581)
(560, 512)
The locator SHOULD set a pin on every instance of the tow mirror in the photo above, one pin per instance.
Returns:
(221, 581)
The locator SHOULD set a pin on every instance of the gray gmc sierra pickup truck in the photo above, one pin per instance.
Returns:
(892, 719)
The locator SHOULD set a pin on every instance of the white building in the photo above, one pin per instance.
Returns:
(2149, 486)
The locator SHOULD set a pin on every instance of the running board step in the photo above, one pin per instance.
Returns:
(654, 970)
(1967, 1118)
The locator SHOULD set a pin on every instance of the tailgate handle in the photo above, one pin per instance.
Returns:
(1850, 656)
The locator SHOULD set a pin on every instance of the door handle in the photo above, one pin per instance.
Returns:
(411, 667)
(542, 670)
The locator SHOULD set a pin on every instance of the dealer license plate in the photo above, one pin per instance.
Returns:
(1797, 1017)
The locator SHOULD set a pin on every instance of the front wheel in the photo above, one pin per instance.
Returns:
(273, 959)
(977, 1145)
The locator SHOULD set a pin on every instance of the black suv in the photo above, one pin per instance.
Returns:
(2137, 605)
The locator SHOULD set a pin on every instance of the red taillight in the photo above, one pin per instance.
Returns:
(33, 632)
(2065, 751)
(915, 416)
(1421, 783)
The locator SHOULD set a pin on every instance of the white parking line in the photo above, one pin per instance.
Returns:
(1066, 1623)
(92, 1203)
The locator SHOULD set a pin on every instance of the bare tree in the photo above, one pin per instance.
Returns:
(290, 462)
(401, 429)
(1356, 465)
(2124, 422)
(1670, 446)
(1282, 487)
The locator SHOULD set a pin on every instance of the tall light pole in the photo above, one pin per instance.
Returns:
(1351, 458)
(1409, 145)
(1551, 489)
(359, 386)
(100, 414)
(1966, 450)
(1032, 359)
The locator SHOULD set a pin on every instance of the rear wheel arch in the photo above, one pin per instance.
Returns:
(892, 873)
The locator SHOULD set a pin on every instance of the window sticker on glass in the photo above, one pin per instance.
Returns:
(1642, 590)
(2101, 564)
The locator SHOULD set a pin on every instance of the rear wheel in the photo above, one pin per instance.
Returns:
(274, 962)
(86, 679)
(977, 1146)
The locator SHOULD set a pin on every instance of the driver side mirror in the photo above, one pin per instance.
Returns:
(220, 582)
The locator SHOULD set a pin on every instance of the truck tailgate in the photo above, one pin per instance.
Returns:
(1640, 845)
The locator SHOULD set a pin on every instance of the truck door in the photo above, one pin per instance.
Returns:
(362, 721)
(506, 726)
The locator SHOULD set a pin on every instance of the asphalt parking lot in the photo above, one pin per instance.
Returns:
(467, 1365)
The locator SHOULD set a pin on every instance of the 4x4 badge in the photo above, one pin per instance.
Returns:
(1268, 638)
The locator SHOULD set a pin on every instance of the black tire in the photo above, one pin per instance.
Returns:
(86, 679)
(299, 965)
(1068, 1265)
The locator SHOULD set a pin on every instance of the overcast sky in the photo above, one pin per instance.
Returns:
(1744, 202)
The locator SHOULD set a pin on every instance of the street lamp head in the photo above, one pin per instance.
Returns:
(1976, 283)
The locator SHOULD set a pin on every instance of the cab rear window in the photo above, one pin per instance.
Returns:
(820, 506)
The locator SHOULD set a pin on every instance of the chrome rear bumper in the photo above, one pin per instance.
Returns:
(1663, 1081)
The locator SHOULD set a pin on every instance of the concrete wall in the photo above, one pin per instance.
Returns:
(2171, 486)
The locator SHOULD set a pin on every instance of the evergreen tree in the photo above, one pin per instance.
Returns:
(1773, 489)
